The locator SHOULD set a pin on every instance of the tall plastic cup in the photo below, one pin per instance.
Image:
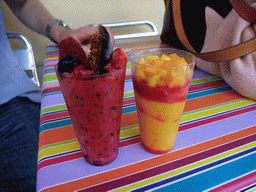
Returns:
(160, 93)
(95, 108)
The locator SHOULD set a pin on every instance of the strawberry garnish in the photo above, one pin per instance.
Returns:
(80, 72)
(70, 47)
(119, 59)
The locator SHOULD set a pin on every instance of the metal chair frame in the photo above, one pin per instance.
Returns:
(154, 31)
(25, 57)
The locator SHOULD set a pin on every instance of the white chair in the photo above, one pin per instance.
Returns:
(25, 56)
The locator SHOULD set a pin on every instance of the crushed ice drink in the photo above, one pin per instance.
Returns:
(95, 107)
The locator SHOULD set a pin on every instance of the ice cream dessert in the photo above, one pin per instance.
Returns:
(161, 85)
(93, 85)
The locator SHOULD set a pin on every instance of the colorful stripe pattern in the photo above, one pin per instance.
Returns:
(215, 149)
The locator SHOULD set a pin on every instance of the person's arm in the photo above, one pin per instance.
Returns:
(32, 13)
(35, 16)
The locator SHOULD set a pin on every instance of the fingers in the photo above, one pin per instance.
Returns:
(83, 34)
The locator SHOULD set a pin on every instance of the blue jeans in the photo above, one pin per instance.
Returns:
(19, 131)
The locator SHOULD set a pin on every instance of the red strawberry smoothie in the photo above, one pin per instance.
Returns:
(95, 107)
(93, 86)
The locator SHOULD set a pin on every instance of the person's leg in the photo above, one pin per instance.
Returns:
(19, 131)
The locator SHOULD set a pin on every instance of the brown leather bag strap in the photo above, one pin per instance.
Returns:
(214, 56)
(245, 11)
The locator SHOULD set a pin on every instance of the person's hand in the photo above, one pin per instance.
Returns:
(83, 34)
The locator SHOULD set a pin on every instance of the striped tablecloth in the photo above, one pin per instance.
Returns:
(215, 149)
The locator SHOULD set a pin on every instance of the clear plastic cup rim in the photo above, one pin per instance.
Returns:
(88, 77)
(135, 55)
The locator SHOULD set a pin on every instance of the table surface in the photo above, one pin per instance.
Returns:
(215, 149)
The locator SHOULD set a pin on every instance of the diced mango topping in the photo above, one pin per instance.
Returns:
(141, 61)
(165, 57)
(167, 70)
(151, 58)
(152, 81)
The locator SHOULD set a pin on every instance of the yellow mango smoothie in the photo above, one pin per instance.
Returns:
(161, 83)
